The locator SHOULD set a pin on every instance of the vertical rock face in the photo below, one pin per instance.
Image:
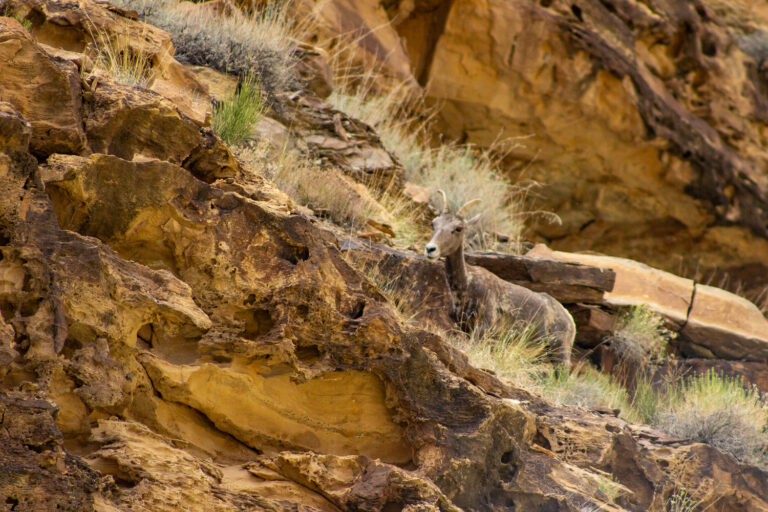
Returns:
(46, 91)
(645, 121)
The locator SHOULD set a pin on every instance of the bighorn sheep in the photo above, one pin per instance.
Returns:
(482, 300)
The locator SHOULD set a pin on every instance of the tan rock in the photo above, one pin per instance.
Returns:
(713, 322)
(44, 90)
(643, 142)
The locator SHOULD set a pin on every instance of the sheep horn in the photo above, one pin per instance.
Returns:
(467, 206)
(444, 209)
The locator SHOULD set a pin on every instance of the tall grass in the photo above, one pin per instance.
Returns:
(585, 388)
(114, 56)
(259, 43)
(720, 411)
(234, 118)
(463, 172)
(513, 352)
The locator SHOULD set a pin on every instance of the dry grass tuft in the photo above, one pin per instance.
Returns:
(720, 411)
(511, 352)
(585, 388)
(114, 56)
(464, 172)
(258, 44)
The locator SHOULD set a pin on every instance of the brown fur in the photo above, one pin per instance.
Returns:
(482, 300)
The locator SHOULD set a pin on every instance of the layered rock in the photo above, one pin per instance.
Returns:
(177, 335)
(712, 322)
(644, 122)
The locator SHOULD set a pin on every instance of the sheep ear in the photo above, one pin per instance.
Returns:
(474, 219)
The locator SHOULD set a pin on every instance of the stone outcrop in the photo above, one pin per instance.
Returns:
(45, 90)
(177, 335)
(644, 121)
(712, 323)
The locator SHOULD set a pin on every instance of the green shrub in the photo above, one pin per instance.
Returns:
(681, 501)
(258, 44)
(233, 119)
(719, 411)
(640, 336)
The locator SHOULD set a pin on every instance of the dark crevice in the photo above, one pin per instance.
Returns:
(690, 307)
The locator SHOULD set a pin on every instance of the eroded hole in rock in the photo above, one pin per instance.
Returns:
(295, 253)
(357, 310)
(40, 448)
(302, 311)
(71, 345)
(542, 441)
(176, 349)
(708, 46)
(309, 354)
(13, 502)
(7, 309)
(251, 300)
(30, 307)
(507, 457)
(545, 3)
(144, 337)
(392, 506)
(256, 322)
(576, 10)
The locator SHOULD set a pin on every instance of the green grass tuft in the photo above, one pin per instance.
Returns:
(233, 119)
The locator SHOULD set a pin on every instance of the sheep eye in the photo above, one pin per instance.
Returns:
(458, 229)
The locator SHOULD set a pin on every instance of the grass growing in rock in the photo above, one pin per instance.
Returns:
(115, 57)
(463, 172)
(233, 119)
(331, 194)
(258, 44)
(585, 388)
(512, 352)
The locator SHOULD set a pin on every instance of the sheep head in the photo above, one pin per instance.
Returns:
(448, 230)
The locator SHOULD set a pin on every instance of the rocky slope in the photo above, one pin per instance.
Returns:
(644, 120)
(176, 334)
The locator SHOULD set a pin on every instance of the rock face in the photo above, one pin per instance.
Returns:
(712, 323)
(176, 335)
(644, 121)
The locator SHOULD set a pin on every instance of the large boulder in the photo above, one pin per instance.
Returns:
(712, 322)
(45, 90)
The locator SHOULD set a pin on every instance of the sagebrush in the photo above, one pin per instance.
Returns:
(258, 44)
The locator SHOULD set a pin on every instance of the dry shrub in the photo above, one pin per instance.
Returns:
(720, 411)
(640, 336)
(260, 43)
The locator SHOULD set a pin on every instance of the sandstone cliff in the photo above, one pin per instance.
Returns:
(177, 334)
